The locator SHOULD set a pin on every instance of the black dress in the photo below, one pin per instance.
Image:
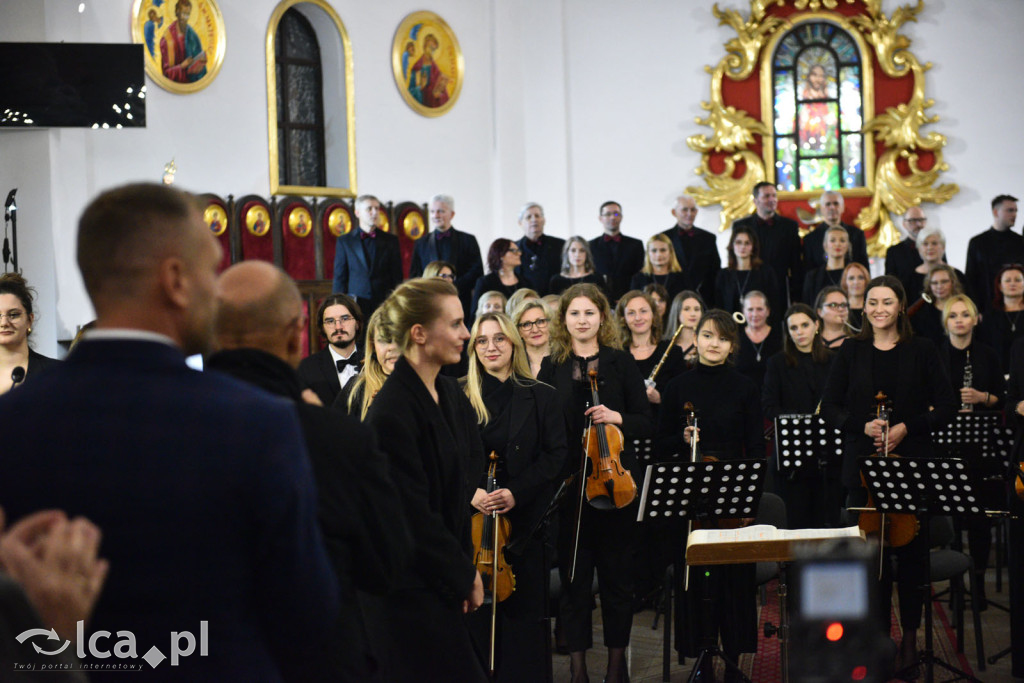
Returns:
(673, 282)
(1000, 329)
(526, 430)
(813, 492)
(492, 282)
(1015, 563)
(731, 427)
(752, 359)
(817, 279)
(435, 458)
(927, 323)
(731, 285)
(560, 283)
(606, 536)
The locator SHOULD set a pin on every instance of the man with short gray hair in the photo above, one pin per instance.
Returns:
(830, 206)
(542, 254)
(445, 243)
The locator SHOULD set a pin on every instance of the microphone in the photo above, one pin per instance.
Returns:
(17, 376)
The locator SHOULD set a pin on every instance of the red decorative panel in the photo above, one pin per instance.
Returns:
(298, 249)
(254, 219)
(335, 219)
(215, 214)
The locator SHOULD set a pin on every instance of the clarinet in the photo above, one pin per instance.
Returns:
(968, 381)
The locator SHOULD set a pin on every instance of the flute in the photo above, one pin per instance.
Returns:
(672, 342)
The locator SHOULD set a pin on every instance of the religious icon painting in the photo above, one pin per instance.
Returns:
(184, 41)
(427, 63)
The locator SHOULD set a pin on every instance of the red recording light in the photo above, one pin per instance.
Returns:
(859, 673)
(834, 631)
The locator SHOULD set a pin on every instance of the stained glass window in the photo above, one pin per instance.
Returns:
(300, 108)
(818, 98)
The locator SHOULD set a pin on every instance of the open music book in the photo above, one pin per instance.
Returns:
(758, 543)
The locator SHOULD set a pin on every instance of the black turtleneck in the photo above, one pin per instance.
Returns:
(986, 369)
(497, 397)
(728, 412)
(793, 389)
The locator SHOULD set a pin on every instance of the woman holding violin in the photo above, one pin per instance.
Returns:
(730, 427)
(886, 357)
(428, 428)
(520, 421)
(585, 363)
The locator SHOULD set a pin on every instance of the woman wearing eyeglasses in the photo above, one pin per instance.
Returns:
(441, 269)
(533, 321)
(503, 258)
(832, 307)
(519, 420)
(16, 320)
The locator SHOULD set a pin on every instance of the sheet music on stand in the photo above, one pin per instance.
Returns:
(802, 440)
(936, 486)
(699, 490)
(981, 435)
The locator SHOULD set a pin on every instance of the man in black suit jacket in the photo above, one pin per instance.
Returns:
(259, 332)
(367, 261)
(989, 251)
(696, 249)
(542, 254)
(831, 207)
(340, 320)
(200, 484)
(616, 256)
(901, 259)
(779, 238)
(445, 243)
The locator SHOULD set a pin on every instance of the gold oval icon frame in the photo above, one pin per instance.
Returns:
(206, 22)
(413, 32)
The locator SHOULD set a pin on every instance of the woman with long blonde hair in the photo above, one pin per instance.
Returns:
(660, 267)
(378, 362)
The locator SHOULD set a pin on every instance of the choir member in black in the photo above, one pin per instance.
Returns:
(16, 299)
(830, 207)
(902, 258)
(837, 255)
(616, 256)
(696, 248)
(660, 267)
(855, 283)
(687, 309)
(503, 258)
(584, 338)
(428, 428)
(659, 295)
(940, 284)
(1015, 562)
(577, 267)
(542, 254)
(832, 307)
(533, 320)
(519, 296)
(759, 341)
(519, 420)
(745, 273)
(378, 363)
(779, 238)
(984, 392)
(989, 251)
(887, 357)
(1003, 323)
(931, 247)
(730, 427)
(441, 269)
(793, 383)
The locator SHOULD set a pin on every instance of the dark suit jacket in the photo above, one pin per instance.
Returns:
(901, 260)
(814, 246)
(987, 252)
(319, 372)
(371, 282)
(364, 532)
(620, 270)
(436, 458)
(202, 488)
(38, 364)
(698, 255)
(848, 402)
(780, 248)
(538, 268)
(464, 255)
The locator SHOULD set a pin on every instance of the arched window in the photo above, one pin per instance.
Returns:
(300, 103)
(818, 97)
(310, 107)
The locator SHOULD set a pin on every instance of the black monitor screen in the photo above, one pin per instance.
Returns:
(79, 85)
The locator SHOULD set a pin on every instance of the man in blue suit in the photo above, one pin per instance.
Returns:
(367, 261)
(201, 484)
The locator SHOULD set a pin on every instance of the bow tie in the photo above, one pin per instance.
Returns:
(363, 235)
(345, 362)
(442, 234)
(617, 237)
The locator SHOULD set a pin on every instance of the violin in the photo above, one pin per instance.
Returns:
(490, 536)
(897, 529)
(608, 485)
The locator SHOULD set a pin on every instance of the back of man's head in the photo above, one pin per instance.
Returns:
(125, 232)
(259, 308)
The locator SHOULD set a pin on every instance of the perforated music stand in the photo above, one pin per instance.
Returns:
(925, 487)
(982, 437)
(703, 492)
(802, 440)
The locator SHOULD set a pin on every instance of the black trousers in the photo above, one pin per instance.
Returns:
(607, 538)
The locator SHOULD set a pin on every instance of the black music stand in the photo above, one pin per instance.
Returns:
(702, 492)
(981, 437)
(925, 487)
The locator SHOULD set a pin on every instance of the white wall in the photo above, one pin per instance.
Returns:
(565, 102)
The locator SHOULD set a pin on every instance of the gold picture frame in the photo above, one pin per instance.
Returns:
(427, 63)
(180, 60)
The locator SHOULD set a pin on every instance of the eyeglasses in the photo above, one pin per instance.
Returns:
(613, 214)
(539, 323)
(447, 276)
(514, 250)
(837, 306)
(331, 322)
(498, 339)
(13, 316)
(917, 220)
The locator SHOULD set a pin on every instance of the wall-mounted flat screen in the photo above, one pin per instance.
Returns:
(74, 85)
